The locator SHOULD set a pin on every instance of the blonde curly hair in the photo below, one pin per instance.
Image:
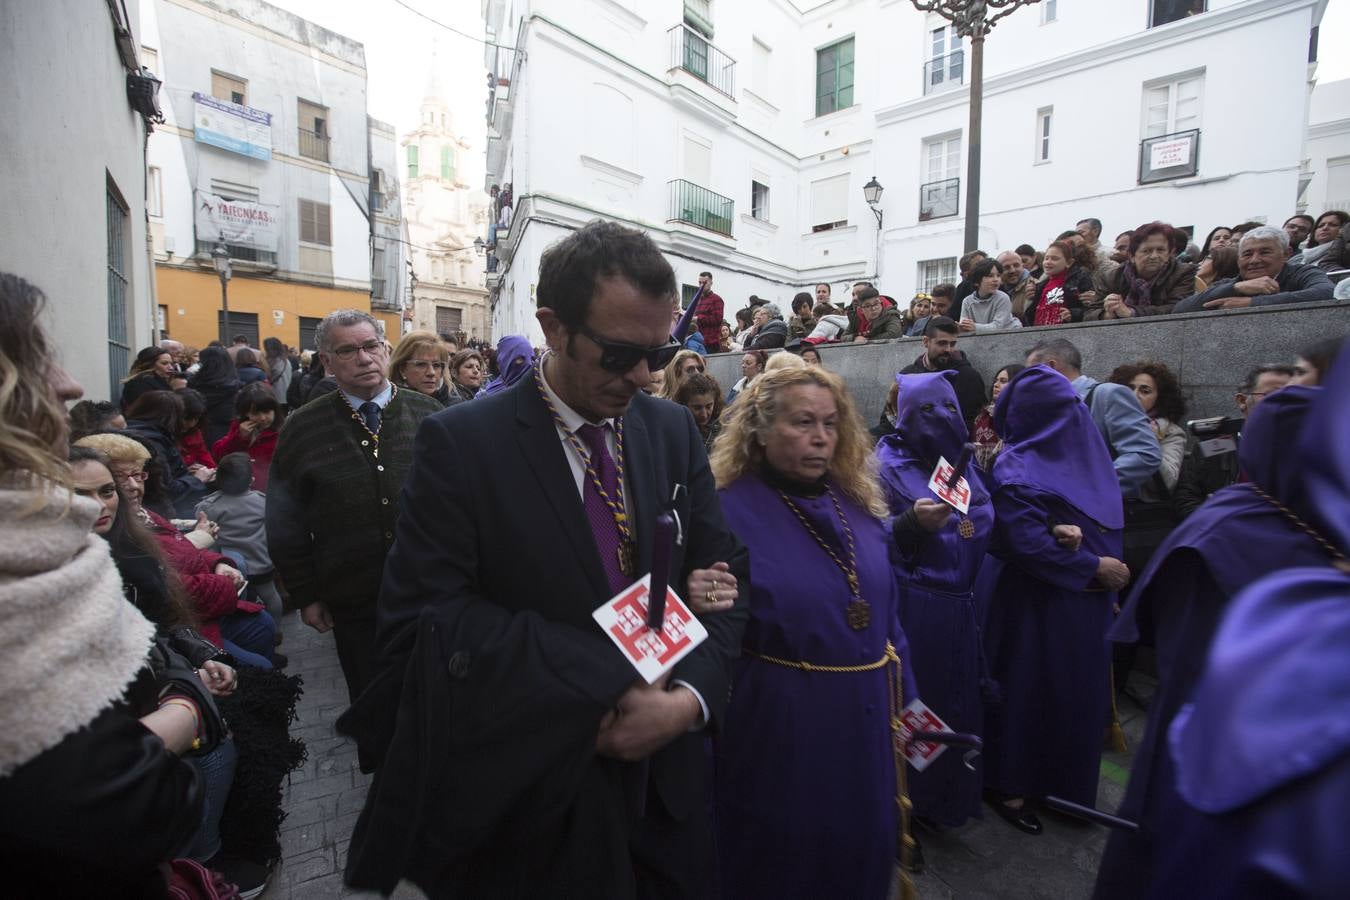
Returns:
(739, 449)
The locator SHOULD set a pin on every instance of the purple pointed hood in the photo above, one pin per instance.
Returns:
(928, 424)
(1273, 704)
(514, 357)
(1051, 444)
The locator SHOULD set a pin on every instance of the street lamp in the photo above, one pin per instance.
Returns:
(872, 194)
(220, 258)
(479, 245)
(973, 19)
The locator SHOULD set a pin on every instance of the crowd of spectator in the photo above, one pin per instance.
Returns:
(226, 486)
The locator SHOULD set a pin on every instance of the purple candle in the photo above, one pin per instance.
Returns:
(662, 543)
(962, 462)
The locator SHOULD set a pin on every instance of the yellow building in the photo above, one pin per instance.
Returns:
(189, 301)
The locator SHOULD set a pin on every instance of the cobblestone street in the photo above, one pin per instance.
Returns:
(984, 859)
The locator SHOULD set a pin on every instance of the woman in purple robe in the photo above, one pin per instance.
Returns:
(1262, 754)
(1047, 605)
(806, 794)
(1182, 595)
(937, 556)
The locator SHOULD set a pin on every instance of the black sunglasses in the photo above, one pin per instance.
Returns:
(620, 358)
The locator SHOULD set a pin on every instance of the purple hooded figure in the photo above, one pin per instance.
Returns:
(1046, 609)
(936, 571)
(1182, 595)
(1262, 753)
(514, 358)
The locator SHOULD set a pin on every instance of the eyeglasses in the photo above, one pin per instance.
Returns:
(618, 357)
(348, 352)
(423, 364)
(131, 476)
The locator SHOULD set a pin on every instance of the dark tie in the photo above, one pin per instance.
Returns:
(370, 411)
(608, 538)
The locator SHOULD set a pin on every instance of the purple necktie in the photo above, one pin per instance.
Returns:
(608, 538)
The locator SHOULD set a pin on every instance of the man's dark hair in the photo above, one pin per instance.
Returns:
(803, 299)
(570, 270)
(866, 294)
(162, 408)
(704, 274)
(1243, 227)
(240, 339)
(946, 289)
(941, 323)
(824, 309)
(1321, 354)
(90, 417)
(1025, 250)
(1255, 373)
(234, 474)
(984, 268)
(1068, 235)
(968, 259)
(1094, 224)
(1125, 234)
(1061, 350)
(1307, 218)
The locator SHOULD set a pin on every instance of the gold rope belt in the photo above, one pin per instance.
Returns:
(895, 685)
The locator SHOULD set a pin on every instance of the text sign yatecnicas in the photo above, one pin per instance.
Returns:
(237, 222)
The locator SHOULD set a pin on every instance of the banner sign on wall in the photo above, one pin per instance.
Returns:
(229, 126)
(237, 222)
(1169, 156)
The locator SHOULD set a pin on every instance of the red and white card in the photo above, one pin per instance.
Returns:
(958, 495)
(918, 717)
(652, 653)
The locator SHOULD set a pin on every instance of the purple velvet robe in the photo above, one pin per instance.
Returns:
(1046, 618)
(1234, 539)
(805, 774)
(937, 584)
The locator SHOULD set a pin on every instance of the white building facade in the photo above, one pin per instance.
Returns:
(390, 273)
(267, 150)
(74, 182)
(740, 135)
(445, 212)
(1328, 153)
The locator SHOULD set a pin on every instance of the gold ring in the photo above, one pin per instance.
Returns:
(712, 597)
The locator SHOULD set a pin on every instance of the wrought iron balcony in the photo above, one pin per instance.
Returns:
(238, 253)
(313, 144)
(694, 53)
(942, 73)
(696, 205)
(939, 199)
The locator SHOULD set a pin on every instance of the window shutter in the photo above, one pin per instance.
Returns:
(829, 200)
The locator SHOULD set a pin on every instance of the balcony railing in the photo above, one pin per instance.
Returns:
(944, 72)
(239, 253)
(939, 199)
(313, 144)
(692, 52)
(699, 206)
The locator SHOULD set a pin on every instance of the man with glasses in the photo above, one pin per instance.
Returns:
(526, 511)
(333, 493)
(1204, 471)
(876, 320)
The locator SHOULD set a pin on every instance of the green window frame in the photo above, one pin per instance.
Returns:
(834, 77)
(447, 164)
(412, 160)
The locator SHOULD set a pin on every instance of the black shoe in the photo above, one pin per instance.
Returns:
(1021, 818)
(916, 860)
(249, 877)
(280, 660)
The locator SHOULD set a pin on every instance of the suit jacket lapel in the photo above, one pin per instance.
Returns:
(539, 441)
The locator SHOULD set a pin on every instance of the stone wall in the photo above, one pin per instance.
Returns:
(1210, 352)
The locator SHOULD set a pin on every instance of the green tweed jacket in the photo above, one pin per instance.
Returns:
(332, 499)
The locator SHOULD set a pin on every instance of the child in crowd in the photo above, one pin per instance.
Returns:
(239, 515)
(253, 431)
(192, 442)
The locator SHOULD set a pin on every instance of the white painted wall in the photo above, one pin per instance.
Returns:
(600, 125)
(69, 132)
(284, 59)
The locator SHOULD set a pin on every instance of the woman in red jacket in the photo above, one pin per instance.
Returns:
(253, 431)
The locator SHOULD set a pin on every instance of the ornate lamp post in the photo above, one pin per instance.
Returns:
(973, 19)
(220, 258)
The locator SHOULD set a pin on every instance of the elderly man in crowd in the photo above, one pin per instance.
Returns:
(771, 332)
(1135, 451)
(1016, 281)
(1265, 277)
(335, 485)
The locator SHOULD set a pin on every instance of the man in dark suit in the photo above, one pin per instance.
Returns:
(524, 512)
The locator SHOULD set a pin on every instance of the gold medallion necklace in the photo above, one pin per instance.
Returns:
(859, 611)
